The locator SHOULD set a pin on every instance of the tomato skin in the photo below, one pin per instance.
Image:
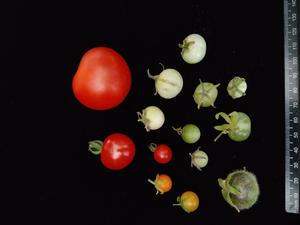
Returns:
(163, 183)
(102, 80)
(243, 128)
(163, 154)
(117, 152)
(188, 201)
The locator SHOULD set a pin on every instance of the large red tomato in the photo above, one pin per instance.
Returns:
(102, 80)
(116, 151)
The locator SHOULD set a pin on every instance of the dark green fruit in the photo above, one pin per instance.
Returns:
(240, 189)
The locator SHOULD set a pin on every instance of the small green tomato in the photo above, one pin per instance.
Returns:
(190, 133)
(238, 127)
(199, 159)
(205, 94)
(237, 87)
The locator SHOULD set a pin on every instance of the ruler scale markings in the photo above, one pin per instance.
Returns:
(292, 129)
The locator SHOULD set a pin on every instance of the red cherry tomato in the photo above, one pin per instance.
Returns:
(162, 153)
(117, 151)
(102, 80)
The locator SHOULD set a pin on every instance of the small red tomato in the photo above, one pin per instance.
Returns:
(161, 153)
(102, 80)
(162, 183)
(117, 151)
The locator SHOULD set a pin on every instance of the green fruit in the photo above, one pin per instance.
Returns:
(238, 126)
(240, 189)
(190, 133)
(205, 94)
(237, 87)
(199, 159)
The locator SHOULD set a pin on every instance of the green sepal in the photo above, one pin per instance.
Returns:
(95, 147)
(227, 189)
(222, 127)
(224, 115)
(234, 116)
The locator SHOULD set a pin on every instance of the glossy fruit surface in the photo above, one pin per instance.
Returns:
(102, 80)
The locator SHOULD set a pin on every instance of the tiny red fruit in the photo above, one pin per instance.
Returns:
(161, 153)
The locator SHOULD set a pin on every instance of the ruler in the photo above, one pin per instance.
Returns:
(292, 113)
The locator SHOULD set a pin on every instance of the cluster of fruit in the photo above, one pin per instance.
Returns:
(102, 82)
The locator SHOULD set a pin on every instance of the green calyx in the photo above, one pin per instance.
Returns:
(142, 118)
(152, 147)
(158, 190)
(232, 121)
(95, 147)
(240, 189)
(178, 130)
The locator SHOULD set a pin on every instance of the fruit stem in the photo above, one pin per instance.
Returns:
(151, 181)
(190, 154)
(185, 44)
(220, 134)
(154, 77)
(176, 204)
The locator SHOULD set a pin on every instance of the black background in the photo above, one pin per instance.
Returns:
(244, 38)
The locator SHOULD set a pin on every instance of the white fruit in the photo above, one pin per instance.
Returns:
(193, 48)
